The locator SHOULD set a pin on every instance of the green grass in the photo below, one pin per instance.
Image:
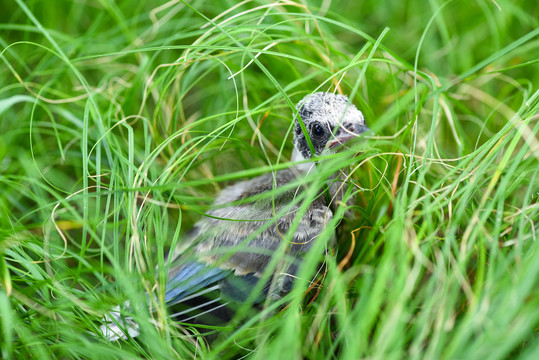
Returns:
(122, 120)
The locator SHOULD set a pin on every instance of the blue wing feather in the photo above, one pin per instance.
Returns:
(190, 278)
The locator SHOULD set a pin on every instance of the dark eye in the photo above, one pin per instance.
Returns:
(318, 130)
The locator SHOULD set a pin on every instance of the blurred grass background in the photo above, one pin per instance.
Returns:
(121, 120)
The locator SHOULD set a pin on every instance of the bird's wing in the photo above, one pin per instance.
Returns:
(189, 278)
(235, 243)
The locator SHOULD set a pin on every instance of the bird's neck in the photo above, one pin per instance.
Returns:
(337, 186)
(306, 166)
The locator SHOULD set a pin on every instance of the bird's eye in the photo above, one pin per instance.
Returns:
(318, 130)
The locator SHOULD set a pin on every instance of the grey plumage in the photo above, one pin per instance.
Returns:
(250, 220)
(230, 234)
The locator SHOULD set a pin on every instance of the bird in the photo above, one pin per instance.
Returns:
(248, 226)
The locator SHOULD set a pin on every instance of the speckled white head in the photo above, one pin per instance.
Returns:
(330, 120)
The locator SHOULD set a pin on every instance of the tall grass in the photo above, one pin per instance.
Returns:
(121, 121)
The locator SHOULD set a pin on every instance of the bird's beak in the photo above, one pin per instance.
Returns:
(346, 135)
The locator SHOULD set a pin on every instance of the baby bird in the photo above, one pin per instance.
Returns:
(248, 226)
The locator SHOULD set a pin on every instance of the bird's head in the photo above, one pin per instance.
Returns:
(330, 120)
